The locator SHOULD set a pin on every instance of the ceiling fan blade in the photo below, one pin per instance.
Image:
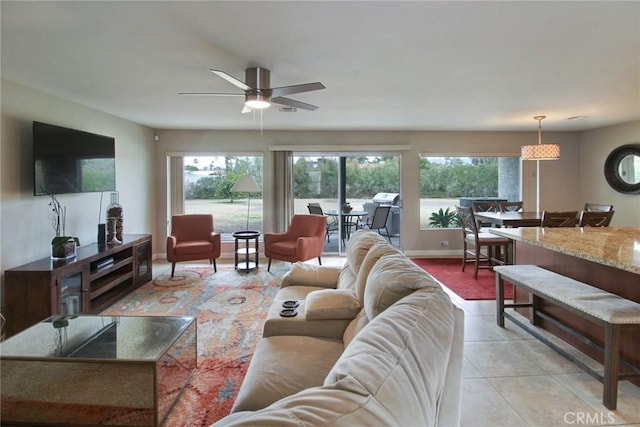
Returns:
(238, 83)
(210, 94)
(293, 103)
(288, 90)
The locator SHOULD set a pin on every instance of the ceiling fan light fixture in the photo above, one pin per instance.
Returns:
(257, 101)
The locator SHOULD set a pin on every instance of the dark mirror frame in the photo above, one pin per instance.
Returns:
(611, 171)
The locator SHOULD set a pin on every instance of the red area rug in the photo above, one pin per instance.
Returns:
(449, 272)
(231, 308)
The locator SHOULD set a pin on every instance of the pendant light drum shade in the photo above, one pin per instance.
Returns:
(540, 152)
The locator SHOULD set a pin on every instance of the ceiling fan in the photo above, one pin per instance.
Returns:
(257, 91)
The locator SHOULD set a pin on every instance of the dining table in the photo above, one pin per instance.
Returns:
(348, 220)
(510, 219)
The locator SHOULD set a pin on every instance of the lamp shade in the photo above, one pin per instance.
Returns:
(540, 152)
(245, 184)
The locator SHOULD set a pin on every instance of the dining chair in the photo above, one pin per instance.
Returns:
(595, 218)
(473, 240)
(379, 221)
(559, 219)
(486, 206)
(332, 223)
(596, 207)
(510, 206)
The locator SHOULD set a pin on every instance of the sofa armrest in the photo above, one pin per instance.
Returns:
(311, 275)
(332, 304)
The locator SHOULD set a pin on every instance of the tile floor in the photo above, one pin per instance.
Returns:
(511, 379)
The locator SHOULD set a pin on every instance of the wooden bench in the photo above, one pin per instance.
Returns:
(613, 312)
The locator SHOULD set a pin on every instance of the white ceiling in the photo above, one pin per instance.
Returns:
(386, 65)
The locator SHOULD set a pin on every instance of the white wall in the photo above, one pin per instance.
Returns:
(25, 229)
(559, 178)
(594, 147)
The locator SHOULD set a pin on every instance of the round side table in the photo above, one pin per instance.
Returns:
(244, 254)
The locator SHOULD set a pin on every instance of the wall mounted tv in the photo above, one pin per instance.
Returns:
(71, 161)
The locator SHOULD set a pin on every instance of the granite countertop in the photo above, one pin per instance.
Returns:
(617, 247)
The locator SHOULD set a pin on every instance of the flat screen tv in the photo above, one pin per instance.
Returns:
(71, 161)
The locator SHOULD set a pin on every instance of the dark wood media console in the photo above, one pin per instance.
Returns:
(96, 278)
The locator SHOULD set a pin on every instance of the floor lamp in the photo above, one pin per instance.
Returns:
(537, 152)
(246, 184)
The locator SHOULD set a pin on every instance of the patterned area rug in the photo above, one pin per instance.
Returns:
(449, 272)
(231, 308)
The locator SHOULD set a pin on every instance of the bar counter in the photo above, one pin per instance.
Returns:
(615, 247)
(605, 257)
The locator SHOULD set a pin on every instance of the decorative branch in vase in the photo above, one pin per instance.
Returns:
(62, 246)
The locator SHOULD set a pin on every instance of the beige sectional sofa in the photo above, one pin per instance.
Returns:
(375, 343)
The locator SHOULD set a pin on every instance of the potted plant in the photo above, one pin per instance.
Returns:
(444, 219)
(62, 246)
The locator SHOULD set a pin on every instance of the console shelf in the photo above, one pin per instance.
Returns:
(96, 278)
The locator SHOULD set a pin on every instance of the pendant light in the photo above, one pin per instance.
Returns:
(540, 151)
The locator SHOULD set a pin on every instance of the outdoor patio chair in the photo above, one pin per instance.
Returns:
(332, 222)
(379, 221)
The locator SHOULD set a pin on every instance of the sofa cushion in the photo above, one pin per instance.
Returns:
(311, 274)
(295, 292)
(393, 277)
(284, 365)
(401, 358)
(346, 279)
(374, 253)
(359, 322)
(332, 304)
(276, 325)
(359, 243)
(318, 406)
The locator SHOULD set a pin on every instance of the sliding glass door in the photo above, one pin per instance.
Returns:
(331, 180)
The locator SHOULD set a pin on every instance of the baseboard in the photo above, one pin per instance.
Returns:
(446, 253)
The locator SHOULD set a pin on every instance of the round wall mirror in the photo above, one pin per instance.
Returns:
(622, 169)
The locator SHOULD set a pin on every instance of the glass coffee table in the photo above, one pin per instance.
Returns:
(107, 370)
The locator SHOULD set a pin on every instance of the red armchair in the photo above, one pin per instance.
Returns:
(304, 240)
(192, 238)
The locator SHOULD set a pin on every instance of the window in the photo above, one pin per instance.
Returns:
(449, 181)
(207, 189)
